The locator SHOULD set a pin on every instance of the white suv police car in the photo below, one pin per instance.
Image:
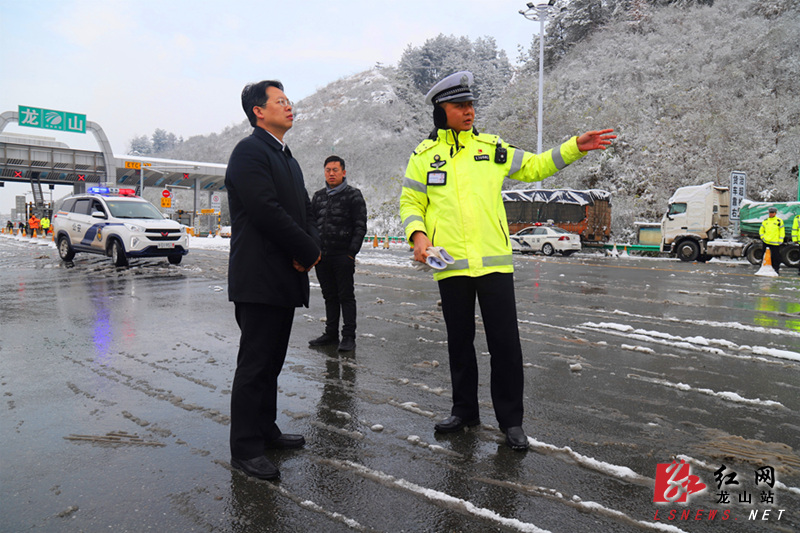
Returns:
(116, 223)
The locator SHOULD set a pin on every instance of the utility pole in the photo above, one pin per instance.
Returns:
(538, 11)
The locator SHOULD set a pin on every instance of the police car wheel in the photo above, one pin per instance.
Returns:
(548, 249)
(117, 253)
(65, 250)
(174, 259)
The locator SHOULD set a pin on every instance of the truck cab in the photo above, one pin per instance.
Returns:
(694, 220)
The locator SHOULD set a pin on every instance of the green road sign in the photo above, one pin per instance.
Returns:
(49, 119)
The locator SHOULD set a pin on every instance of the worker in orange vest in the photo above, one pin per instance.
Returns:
(33, 224)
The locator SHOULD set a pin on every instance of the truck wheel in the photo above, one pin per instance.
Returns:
(65, 249)
(754, 252)
(548, 249)
(790, 255)
(117, 253)
(688, 251)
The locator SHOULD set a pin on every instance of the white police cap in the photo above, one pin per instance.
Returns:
(454, 88)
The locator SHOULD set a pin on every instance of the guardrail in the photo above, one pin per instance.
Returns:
(610, 246)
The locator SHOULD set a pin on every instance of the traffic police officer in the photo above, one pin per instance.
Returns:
(451, 198)
(45, 225)
(796, 235)
(772, 233)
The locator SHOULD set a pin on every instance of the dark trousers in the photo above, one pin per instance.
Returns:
(335, 275)
(254, 395)
(495, 294)
(775, 256)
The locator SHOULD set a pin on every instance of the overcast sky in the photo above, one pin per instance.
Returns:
(136, 65)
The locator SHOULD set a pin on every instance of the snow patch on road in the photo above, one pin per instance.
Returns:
(725, 395)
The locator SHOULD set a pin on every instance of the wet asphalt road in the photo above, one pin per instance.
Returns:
(116, 385)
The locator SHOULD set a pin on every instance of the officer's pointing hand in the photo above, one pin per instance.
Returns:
(594, 140)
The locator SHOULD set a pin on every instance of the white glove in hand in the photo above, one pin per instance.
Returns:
(441, 254)
(437, 259)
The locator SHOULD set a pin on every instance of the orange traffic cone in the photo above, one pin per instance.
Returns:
(375, 242)
(766, 265)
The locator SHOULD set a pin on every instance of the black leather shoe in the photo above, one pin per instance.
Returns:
(285, 442)
(516, 438)
(324, 340)
(348, 344)
(258, 467)
(455, 423)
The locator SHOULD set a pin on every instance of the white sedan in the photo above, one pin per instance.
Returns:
(545, 239)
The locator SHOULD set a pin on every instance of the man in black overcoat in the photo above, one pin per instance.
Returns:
(274, 243)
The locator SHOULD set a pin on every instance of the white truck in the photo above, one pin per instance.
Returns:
(691, 229)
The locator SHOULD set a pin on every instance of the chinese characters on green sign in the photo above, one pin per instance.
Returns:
(49, 119)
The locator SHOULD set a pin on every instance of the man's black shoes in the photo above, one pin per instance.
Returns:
(348, 344)
(455, 423)
(324, 340)
(259, 467)
(516, 438)
(286, 442)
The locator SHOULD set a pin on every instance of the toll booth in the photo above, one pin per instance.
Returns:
(182, 217)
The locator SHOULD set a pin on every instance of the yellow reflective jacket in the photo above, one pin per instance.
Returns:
(771, 231)
(452, 192)
(796, 229)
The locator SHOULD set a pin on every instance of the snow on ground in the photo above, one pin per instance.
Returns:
(209, 243)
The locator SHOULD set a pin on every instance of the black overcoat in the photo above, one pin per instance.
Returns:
(270, 224)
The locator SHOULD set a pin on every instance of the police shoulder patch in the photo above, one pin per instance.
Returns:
(488, 139)
(425, 145)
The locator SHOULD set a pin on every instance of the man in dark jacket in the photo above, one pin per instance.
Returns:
(341, 216)
(274, 243)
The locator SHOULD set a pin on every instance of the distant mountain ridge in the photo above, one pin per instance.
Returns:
(694, 89)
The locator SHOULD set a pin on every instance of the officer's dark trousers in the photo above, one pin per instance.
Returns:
(495, 294)
(775, 256)
(335, 275)
(262, 351)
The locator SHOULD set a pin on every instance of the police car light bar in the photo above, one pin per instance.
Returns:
(112, 190)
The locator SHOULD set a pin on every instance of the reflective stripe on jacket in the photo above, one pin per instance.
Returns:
(452, 192)
(796, 229)
(771, 231)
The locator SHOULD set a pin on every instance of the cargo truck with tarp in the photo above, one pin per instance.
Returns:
(584, 212)
(693, 226)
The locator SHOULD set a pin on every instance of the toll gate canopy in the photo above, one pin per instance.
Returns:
(26, 159)
(41, 160)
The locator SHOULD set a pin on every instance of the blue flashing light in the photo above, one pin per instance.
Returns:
(112, 190)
